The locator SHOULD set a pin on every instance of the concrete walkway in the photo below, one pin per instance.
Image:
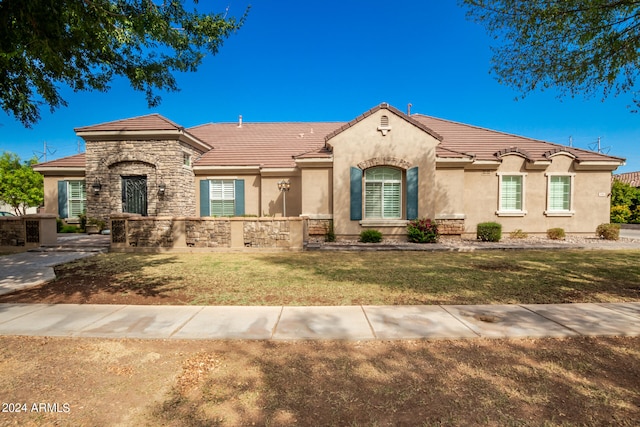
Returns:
(289, 322)
(321, 323)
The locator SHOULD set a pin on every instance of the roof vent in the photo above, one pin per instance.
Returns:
(384, 125)
(240, 121)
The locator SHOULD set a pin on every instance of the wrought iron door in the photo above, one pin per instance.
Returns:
(134, 194)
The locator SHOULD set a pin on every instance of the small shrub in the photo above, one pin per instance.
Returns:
(83, 221)
(370, 236)
(608, 231)
(555, 233)
(422, 231)
(635, 215)
(331, 235)
(620, 214)
(70, 229)
(518, 234)
(59, 225)
(489, 231)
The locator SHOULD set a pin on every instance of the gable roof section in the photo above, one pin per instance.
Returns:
(271, 145)
(148, 127)
(71, 163)
(140, 123)
(486, 144)
(384, 106)
(631, 178)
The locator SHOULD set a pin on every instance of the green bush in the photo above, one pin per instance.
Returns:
(489, 231)
(331, 235)
(370, 236)
(70, 229)
(608, 231)
(635, 216)
(422, 231)
(518, 234)
(620, 214)
(555, 233)
(59, 225)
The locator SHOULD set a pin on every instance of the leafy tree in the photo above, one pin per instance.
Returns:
(85, 43)
(578, 46)
(20, 186)
(625, 202)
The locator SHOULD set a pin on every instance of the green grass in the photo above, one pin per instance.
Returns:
(377, 278)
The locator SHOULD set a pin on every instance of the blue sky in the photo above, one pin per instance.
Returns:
(331, 61)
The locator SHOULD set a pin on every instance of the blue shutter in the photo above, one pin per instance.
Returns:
(239, 183)
(356, 194)
(205, 203)
(62, 199)
(412, 193)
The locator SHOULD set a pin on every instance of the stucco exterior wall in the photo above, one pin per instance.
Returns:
(251, 191)
(449, 193)
(590, 201)
(317, 191)
(51, 190)
(404, 144)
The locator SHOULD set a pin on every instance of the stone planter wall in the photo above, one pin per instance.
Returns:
(28, 230)
(131, 233)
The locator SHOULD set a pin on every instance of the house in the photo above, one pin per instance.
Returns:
(377, 171)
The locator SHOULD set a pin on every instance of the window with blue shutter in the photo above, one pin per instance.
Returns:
(222, 197)
(356, 194)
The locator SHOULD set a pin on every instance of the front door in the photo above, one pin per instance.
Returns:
(134, 194)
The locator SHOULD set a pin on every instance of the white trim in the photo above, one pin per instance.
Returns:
(279, 172)
(314, 162)
(451, 216)
(226, 169)
(383, 222)
(316, 216)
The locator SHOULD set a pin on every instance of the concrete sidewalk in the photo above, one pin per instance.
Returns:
(321, 323)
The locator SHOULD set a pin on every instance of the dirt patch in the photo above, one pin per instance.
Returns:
(579, 381)
(76, 286)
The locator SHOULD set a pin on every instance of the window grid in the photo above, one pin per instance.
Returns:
(77, 198)
(223, 198)
(511, 194)
(383, 190)
(559, 193)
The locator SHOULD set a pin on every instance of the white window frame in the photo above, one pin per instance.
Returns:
(560, 212)
(82, 199)
(382, 183)
(512, 212)
(224, 196)
(186, 160)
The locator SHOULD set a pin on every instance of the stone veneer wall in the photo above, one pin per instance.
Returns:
(157, 160)
(450, 227)
(12, 231)
(317, 230)
(131, 233)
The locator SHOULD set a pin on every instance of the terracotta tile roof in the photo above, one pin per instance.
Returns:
(267, 144)
(631, 178)
(141, 123)
(75, 161)
(486, 144)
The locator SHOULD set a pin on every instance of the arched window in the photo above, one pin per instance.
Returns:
(383, 193)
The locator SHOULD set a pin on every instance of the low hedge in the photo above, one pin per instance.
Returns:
(489, 231)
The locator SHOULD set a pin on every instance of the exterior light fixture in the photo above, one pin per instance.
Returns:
(162, 188)
(284, 185)
(96, 187)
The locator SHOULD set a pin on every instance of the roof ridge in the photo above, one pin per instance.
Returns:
(554, 144)
(131, 119)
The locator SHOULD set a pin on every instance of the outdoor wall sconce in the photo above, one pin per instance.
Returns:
(96, 187)
(162, 188)
(284, 186)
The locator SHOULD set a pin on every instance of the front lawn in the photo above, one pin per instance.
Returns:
(345, 278)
